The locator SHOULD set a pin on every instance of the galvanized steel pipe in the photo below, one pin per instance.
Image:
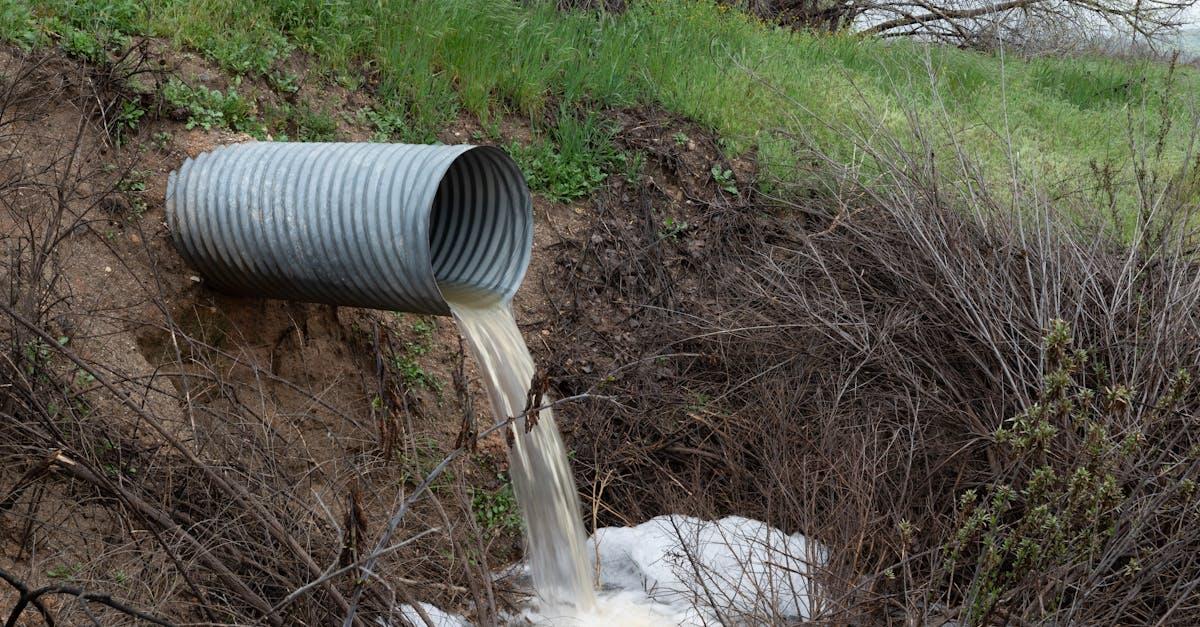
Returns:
(386, 226)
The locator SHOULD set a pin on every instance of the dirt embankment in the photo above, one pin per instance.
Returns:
(202, 456)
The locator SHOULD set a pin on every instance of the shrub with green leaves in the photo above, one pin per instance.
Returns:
(1061, 496)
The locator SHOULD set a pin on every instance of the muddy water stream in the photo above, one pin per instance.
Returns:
(538, 464)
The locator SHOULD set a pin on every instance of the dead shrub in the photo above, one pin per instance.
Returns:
(982, 403)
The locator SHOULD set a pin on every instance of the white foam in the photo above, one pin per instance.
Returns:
(731, 570)
(439, 617)
(680, 570)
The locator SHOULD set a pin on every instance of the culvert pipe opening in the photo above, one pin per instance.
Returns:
(480, 228)
(387, 226)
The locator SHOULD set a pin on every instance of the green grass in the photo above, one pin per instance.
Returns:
(758, 86)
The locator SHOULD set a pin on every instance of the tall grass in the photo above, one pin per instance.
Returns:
(755, 84)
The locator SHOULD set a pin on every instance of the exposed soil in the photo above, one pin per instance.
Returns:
(312, 391)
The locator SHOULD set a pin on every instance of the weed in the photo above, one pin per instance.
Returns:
(497, 510)
(407, 362)
(18, 25)
(631, 165)
(81, 44)
(724, 179)
(62, 571)
(84, 378)
(127, 120)
(423, 327)
(134, 181)
(251, 53)
(313, 126)
(549, 172)
(133, 187)
(414, 374)
(1062, 512)
(284, 82)
(672, 228)
(162, 139)
(681, 139)
(386, 124)
(210, 108)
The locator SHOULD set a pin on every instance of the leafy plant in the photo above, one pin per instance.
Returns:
(631, 165)
(127, 120)
(387, 124)
(724, 179)
(314, 126)
(81, 44)
(284, 82)
(62, 571)
(133, 186)
(672, 228)
(497, 510)
(555, 175)
(210, 108)
(162, 139)
(252, 53)
(574, 158)
(407, 362)
(17, 25)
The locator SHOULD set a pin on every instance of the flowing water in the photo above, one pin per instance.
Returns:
(557, 549)
(538, 464)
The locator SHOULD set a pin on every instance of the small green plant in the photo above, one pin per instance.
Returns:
(84, 378)
(672, 228)
(386, 124)
(574, 158)
(17, 25)
(162, 139)
(133, 187)
(36, 354)
(313, 126)
(134, 181)
(407, 362)
(126, 121)
(62, 571)
(497, 510)
(680, 138)
(210, 108)
(81, 44)
(414, 374)
(631, 165)
(724, 179)
(284, 82)
(252, 52)
(424, 328)
(551, 173)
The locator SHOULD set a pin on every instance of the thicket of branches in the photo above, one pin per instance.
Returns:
(983, 408)
(1039, 25)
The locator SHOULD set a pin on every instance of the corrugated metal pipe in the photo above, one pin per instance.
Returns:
(385, 226)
